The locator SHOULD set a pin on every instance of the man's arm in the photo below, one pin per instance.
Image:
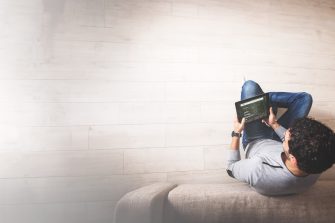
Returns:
(233, 154)
(234, 151)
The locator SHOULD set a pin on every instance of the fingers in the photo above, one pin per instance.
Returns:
(265, 122)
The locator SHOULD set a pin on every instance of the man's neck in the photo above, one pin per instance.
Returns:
(292, 168)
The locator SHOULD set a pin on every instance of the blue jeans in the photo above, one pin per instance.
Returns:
(298, 105)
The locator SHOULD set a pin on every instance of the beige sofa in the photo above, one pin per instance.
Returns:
(230, 202)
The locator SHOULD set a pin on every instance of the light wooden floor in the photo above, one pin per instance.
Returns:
(99, 97)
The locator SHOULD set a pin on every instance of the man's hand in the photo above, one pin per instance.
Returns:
(238, 127)
(271, 121)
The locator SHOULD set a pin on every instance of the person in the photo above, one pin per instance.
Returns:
(284, 156)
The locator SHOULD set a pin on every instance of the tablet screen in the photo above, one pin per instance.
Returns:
(253, 108)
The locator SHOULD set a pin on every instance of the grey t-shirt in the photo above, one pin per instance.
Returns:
(264, 170)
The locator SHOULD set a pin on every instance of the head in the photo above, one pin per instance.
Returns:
(311, 145)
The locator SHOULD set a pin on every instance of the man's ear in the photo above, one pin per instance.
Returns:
(293, 160)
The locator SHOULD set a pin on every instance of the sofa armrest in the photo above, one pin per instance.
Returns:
(144, 205)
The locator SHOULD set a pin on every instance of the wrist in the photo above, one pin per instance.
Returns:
(235, 133)
(235, 140)
(274, 125)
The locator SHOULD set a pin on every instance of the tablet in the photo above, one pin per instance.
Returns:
(254, 108)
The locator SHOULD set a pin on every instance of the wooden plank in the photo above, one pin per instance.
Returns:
(63, 190)
(163, 160)
(79, 91)
(126, 136)
(196, 134)
(61, 164)
(37, 138)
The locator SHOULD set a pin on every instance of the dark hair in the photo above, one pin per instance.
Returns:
(312, 144)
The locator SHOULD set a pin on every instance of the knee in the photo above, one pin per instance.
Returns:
(250, 85)
(308, 99)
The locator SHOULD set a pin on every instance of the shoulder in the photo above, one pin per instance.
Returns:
(263, 147)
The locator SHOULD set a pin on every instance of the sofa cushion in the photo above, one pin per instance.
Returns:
(237, 202)
(144, 205)
(328, 174)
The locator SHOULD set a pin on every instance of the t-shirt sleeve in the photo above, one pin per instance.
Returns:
(280, 131)
(246, 170)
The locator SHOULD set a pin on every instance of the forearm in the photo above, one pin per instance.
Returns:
(279, 130)
(234, 152)
(235, 143)
(275, 125)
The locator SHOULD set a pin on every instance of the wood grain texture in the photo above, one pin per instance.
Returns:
(99, 97)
